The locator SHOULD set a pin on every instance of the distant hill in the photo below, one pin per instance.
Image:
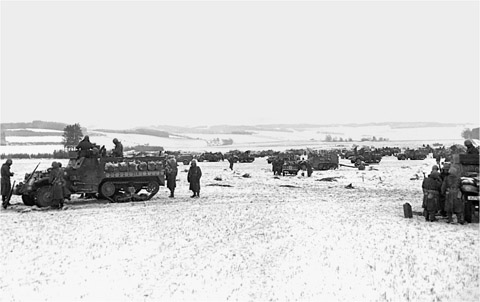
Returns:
(248, 129)
(33, 125)
(142, 131)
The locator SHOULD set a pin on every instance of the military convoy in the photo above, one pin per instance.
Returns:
(113, 178)
(136, 178)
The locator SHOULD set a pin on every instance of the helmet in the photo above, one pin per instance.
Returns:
(453, 170)
(115, 140)
(9, 161)
(468, 143)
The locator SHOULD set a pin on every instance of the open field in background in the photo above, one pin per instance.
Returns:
(262, 238)
(258, 140)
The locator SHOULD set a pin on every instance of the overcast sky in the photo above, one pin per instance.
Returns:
(122, 64)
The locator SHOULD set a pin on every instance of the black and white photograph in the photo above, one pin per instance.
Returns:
(240, 150)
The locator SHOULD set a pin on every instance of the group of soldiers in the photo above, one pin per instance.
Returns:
(85, 147)
(193, 176)
(441, 191)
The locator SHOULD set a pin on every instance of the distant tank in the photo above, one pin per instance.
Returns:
(112, 178)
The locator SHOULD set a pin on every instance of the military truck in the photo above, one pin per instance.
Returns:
(323, 160)
(367, 155)
(210, 157)
(413, 154)
(239, 156)
(112, 178)
(468, 168)
(184, 158)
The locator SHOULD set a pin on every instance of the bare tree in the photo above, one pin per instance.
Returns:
(72, 134)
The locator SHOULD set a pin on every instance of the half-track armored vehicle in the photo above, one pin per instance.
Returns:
(113, 178)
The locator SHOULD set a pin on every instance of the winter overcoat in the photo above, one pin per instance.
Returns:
(5, 182)
(171, 171)
(57, 182)
(193, 177)
(451, 187)
(431, 192)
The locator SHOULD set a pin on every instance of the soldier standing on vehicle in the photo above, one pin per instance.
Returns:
(5, 182)
(470, 148)
(171, 171)
(193, 177)
(56, 180)
(453, 200)
(431, 193)
(118, 150)
(84, 147)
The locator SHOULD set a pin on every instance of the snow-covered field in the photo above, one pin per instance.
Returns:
(263, 238)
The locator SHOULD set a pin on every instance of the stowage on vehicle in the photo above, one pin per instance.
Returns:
(113, 178)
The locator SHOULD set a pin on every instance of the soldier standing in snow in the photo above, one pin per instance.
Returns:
(453, 201)
(193, 177)
(56, 180)
(171, 173)
(5, 182)
(431, 193)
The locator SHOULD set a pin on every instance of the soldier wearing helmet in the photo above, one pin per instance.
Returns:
(470, 147)
(58, 182)
(84, 147)
(451, 190)
(5, 182)
(193, 177)
(118, 150)
(171, 171)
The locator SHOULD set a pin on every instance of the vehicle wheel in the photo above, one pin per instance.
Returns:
(138, 188)
(186, 162)
(28, 200)
(468, 210)
(107, 189)
(44, 197)
(153, 188)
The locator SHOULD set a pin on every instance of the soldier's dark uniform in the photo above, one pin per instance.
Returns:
(171, 171)
(84, 146)
(5, 182)
(193, 177)
(470, 148)
(441, 200)
(431, 194)
(118, 150)
(57, 181)
(453, 201)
